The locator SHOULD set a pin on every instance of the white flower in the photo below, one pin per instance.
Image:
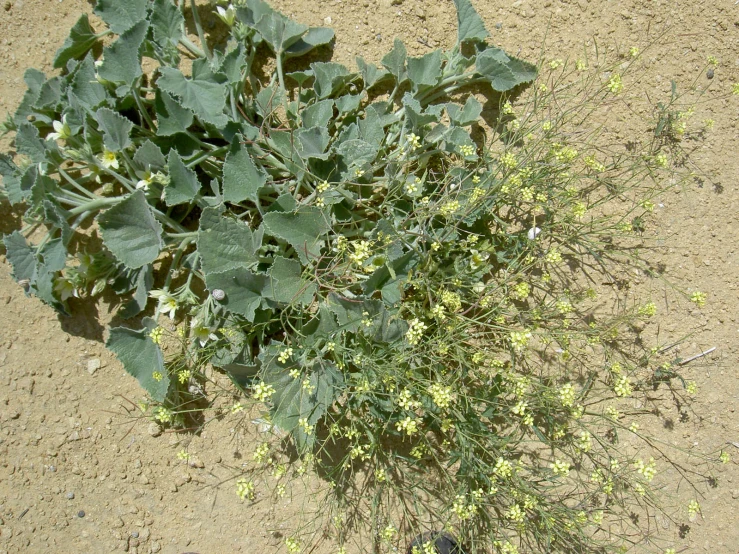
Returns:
(228, 15)
(167, 302)
(65, 289)
(61, 130)
(145, 181)
(109, 160)
(201, 333)
(533, 233)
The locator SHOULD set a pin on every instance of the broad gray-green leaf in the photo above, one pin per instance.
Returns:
(167, 23)
(11, 179)
(54, 255)
(34, 80)
(313, 142)
(287, 284)
(21, 256)
(141, 358)
(389, 279)
(394, 61)
(466, 115)
(303, 230)
(357, 152)
(122, 59)
(28, 142)
(244, 290)
(121, 16)
(137, 304)
(316, 36)
(279, 31)
(504, 71)
(79, 42)
(233, 64)
(371, 74)
(58, 216)
(183, 184)
(131, 232)
(329, 76)
(50, 94)
(376, 118)
(205, 98)
(426, 70)
(43, 287)
(86, 87)
(116, 129)
(149, 157)
(349, 102)
(318, 114)
(172, 118)
(241, 178)
(416, 115)
(225, 243)
(469, 23)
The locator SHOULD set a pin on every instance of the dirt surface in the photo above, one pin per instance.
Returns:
(79, 473)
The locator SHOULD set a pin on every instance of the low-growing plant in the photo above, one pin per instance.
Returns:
(405, 290)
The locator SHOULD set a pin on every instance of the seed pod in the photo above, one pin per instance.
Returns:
(218, 294)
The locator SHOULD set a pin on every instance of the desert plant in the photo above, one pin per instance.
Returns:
(405, 292)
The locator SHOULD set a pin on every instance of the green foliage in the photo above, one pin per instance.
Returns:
(368, 267)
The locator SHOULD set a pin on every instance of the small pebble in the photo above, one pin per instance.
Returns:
(709, 73)
(81, 513)
(70, 495)
(135, 534)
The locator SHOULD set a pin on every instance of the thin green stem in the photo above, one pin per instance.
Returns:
(192, 47)
(199, 27)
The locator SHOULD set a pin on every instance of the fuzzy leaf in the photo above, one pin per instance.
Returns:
(86, 87)
(394, 61)
(316, 36)
(329, 76)
(318, 114)
(57, 216)
(313, 142)
(287, 284)
(426, 70)
(183, 184)
(469, 23)
(149, 157)
(122, 59)
(141, 358)
(303, 230)
(279, 31)
(171, 117)
(81, 39)
(167, 23)
(137, 304)
(503, 71)
(225, 243)
(34, 80)
(244, 290)
(21, 256)
(371, 74)
(466, 115)
(28, 142)
(131, 232)
(116, 129)
(349, 102)
(241, 178)
(11, 179)
(233, 63)
(357, 152)
(121, 16)
(205, 98)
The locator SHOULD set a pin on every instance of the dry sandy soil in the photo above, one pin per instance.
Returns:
(78, 473)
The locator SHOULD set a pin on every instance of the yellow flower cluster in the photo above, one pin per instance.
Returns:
(416, 328)
(441, 395)
(245, 489)
(263, 392)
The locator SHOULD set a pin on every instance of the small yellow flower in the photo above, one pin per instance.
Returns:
(633, 51)
(560, 468)
(109, 160)
(615, 84)
(698, 298)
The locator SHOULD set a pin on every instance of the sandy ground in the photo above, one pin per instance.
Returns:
(78, 471)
